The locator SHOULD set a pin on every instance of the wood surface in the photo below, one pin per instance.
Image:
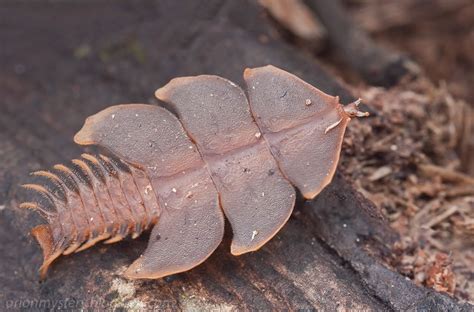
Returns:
(62, 61)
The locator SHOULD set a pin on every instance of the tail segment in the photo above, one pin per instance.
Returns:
(96, 198)
(43, 235)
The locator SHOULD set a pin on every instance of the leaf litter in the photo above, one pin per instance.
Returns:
(405, 159)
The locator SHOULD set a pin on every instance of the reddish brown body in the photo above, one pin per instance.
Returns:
(228, 154)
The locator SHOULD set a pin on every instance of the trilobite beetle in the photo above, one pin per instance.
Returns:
(226, 153)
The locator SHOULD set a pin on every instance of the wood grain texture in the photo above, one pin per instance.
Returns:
(47, 94)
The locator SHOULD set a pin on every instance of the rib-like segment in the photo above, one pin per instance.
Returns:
(76, 208)
(132, 197)
(102, 193)
(101, 232)
(147, 194)
(119, 200)
(52, 238)
(102, 199)
(53, 217)
(35, 206)
(92, 210)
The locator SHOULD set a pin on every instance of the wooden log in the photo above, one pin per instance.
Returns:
(375, 64)
(65, 61)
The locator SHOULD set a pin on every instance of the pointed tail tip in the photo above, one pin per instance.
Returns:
(44, 236)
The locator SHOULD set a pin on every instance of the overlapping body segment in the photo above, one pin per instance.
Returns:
(88, 205)
(145, 135)
(303, 126)
(214, 112)
(229, 153)
(191, 222)
(256, 198)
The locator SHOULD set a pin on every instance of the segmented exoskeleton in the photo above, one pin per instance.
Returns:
(97, 198)
(229, 153)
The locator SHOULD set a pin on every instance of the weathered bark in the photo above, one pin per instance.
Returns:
(65, 61)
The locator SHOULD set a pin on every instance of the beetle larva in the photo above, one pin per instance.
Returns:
(228, 154)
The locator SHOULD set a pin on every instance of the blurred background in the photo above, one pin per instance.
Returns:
(411, 61)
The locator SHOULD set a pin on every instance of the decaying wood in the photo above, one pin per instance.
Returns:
(446, 174)
(311, 264)
(375, 64)
(432, 207)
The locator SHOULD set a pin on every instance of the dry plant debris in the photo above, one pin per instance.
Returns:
(404, 159)
(438, 35)
(296, 17)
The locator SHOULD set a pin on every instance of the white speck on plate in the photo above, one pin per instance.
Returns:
(254, 233)
(147, 189)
